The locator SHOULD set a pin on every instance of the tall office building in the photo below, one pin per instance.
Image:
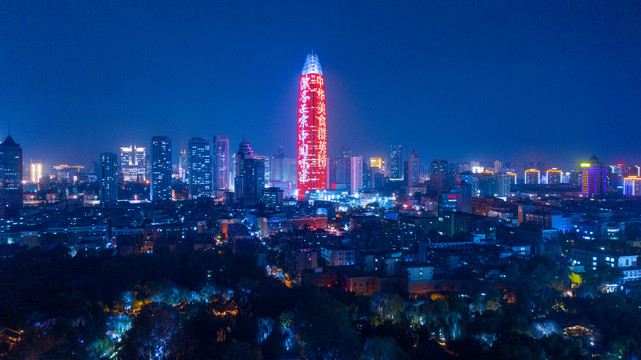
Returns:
(36, 171)
(413, 169)
(441, 178)
(160, 168)
(200, 172)
(593, 178)
(554, 176)
(11, 171)
(615, 176)
(108, 178)
(311, 129)
(133, 164)
(342, 173)
(356, 176)
(249, 182)
(283, 169)
(502, 181)
(532, 176)
(632, 186)
(396, 163)
(221, 163)
(183, 164)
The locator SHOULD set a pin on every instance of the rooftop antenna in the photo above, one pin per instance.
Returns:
(245, 135)
(9, 127)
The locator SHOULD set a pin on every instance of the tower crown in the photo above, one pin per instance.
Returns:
(312, 65)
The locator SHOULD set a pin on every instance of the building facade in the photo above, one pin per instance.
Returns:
(249, 182)
(133, 164)
(200, 170)
(396, 163)
(108, 179)
(221, 163)
(11, 171)
(311, 129)
(160, 168)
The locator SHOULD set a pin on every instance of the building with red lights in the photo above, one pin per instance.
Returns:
(311, 129)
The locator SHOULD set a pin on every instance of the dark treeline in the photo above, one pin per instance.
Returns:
(210, 305)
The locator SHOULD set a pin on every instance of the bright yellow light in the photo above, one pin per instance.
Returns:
(585, 165)
(376, 162)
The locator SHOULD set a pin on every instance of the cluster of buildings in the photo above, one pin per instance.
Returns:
(384, 223)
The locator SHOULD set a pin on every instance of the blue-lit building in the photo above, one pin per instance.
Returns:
(11, 172)
(249, 182)
(160, 168)
(593, 178)
(108, 178)
(221, 163)
(413, 169)
(396, 163)
(200, 168)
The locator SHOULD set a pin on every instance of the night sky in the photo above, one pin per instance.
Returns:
(532, 80)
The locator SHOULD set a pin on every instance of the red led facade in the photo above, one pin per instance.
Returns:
(311, 134)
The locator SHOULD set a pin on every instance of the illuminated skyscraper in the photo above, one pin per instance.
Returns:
(133, 164)
(413, 169)
(441, 177)
(108, 179)
(11, 172)
(593, 177)
(356, 174)
(183, 164)
(249, 182)
(311, 129)
(341, 173)
(36, 171)
(396, 163)
(221, 163)
(532, 176)
(632, 186)
(200, 184)
(160, 168)
(554, 176)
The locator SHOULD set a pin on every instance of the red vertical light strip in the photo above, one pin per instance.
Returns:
(311, 135)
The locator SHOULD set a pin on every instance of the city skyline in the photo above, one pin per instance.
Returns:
(545, 102)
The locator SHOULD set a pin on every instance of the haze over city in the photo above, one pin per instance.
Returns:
(465, 81)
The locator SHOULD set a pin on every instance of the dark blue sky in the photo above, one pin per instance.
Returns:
(467, 81)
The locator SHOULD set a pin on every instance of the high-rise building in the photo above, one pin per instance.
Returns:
(108, 178)
(554, 176)
(200, 173)
(36, 171)
(11, 172)
(413, 169)
(593, 178)
(221, 163)
(133, 164)
(160, 168)
(441, 177)
(342, 173)
(283, 169)
(396, 163)
(632, 186)
(183, 164)
(249, 182)
(615, 176)
(311, 129)
(532, 176)
(356, 178)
